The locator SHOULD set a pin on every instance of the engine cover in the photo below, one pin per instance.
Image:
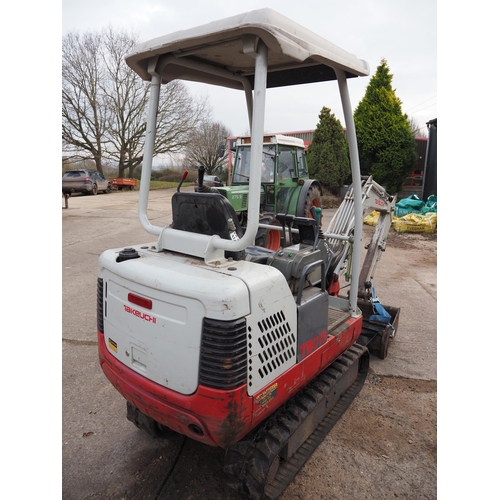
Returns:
(154, 308)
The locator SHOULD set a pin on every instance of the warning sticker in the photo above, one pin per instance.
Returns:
(112, 345)
(269, 394)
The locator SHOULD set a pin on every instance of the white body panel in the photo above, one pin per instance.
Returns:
(271, 324)
(163, 343)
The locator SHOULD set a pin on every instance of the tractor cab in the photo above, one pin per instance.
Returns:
(283, 173)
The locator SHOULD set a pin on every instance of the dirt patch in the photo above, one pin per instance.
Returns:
(330, 201)
(422, 246)
(416, 241)
(384, 446)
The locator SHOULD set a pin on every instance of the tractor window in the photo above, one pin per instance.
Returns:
(301, 160)
(268, 159)
(286, 166)
(241, 172)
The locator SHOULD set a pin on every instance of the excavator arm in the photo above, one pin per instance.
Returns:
(341, 227)
(376, 332)
(376, 199)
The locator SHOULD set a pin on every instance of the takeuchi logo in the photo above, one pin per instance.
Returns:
(139, 314)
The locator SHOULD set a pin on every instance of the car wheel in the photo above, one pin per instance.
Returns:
(94, 189)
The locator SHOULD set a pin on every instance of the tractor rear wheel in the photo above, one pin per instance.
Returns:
(313, 200)
(268, 238)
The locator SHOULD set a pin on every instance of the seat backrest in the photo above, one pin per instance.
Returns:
(307, 229)
(206, 213)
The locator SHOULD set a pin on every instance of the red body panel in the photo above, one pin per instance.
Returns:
(224, 417)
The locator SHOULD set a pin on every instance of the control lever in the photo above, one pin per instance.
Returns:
(201, 174)
(202, 188)
(286, 221)
(289, 222)
(281, 219)
(316, 215)
(183, 178)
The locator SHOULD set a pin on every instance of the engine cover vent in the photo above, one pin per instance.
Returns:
(272, 350)
(223, 362)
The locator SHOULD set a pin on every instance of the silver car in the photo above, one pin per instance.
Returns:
(85, 181)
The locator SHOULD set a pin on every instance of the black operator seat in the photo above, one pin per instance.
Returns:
(205, 213)
(211, 213)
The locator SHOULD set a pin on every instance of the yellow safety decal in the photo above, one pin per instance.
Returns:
(113, 345)
(270, 393)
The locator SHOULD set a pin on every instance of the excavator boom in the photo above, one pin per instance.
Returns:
(341, 228)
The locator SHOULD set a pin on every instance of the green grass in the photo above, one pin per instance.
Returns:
(160, 185)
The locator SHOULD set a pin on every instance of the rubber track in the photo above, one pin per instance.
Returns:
(248, 461)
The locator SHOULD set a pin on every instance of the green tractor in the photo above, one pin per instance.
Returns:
(285, 184)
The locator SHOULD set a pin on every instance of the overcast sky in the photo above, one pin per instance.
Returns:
(403, 32)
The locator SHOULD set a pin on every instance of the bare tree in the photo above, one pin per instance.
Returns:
(417, 130)
(84, 114)
(205, 145)
(122, 99)
(124, 94)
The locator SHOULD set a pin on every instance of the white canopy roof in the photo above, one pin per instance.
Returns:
(295, 54)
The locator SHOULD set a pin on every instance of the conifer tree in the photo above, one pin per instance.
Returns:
(328, 157)
(386, 142)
